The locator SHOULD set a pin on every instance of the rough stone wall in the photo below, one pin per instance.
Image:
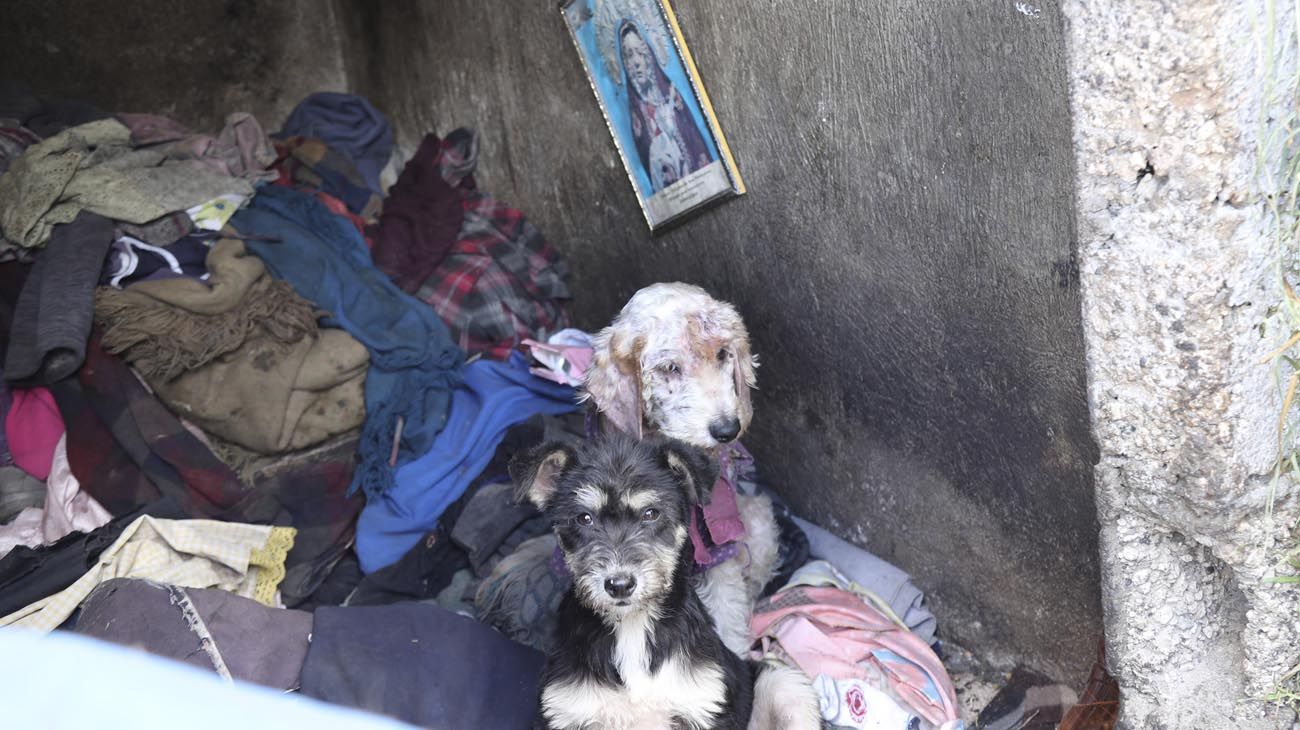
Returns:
(905, 261)
(195, 61)
(1178, 286)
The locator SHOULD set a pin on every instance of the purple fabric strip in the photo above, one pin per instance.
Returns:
(558, 568)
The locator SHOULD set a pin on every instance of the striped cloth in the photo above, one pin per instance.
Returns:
(247, 560)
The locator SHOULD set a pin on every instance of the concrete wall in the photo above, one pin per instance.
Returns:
(196, 60)
(1177, 255)
(905, 261)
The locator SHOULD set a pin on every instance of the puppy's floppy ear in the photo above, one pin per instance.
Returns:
(694, 468)
(614, 379)
(536, 472)
(743, 371)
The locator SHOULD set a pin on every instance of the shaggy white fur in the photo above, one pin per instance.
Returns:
(678, 362)
(784, 699)
(675, 360)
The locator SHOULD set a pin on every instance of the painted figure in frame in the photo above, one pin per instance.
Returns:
(667, 139)
(657, 110)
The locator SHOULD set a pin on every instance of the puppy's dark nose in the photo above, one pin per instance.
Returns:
(725, 429)
(620, 586)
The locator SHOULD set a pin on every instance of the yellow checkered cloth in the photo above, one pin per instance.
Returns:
(247, 560)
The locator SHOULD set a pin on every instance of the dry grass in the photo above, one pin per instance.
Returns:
(1276, 42)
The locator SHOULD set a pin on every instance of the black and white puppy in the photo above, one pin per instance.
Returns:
(635, 647)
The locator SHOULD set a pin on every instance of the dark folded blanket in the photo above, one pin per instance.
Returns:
(221, 632)
(238, 354)
(422, 664)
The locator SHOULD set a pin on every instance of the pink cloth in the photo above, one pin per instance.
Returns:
(67, 509)
(33, 427)
(833, 632)
(721, 514)
(151, 129)
(565, 357)
(240, 149)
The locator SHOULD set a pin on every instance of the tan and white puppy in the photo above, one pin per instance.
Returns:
(676, 362)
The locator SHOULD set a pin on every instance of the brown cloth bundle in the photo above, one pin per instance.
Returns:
(239, 355)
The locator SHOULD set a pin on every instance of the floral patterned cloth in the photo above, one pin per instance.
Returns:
(836, 633)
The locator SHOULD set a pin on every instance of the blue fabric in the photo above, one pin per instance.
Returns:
(414, 365)
(348, 124)
(62, 681)
(494, 397)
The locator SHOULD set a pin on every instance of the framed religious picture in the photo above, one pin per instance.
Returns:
(655, 106)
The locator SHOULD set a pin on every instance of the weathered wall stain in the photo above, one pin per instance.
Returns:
(196, 61)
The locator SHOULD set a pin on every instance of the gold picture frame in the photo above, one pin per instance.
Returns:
(649, 91)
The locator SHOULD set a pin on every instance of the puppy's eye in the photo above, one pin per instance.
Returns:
(650, 514)
(585, 519)
(671, 368)
(723, 355)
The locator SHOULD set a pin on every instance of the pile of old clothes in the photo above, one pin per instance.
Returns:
(258, 410)
(332, 654)
(206, 377)
(243, 357)
(478, 262)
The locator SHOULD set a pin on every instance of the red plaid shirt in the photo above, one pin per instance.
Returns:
(501, 282)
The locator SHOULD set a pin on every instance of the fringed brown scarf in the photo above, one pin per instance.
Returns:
(167, 327)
